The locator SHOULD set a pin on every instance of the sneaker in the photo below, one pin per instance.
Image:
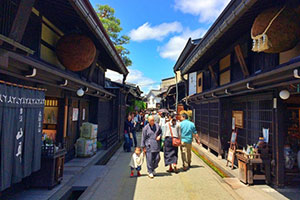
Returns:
(154, 172)
(151, 175)
(138, 174)
(132, 174)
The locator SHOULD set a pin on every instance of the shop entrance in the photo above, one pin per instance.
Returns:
(50, 124)
(78, 113)
(292, 141)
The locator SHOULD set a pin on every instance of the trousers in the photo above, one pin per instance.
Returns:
(153, 159)
(127, 145)
(137, 169)
(134, 138)
(186, 154)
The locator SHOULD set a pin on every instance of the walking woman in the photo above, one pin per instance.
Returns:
(172, 129)
(127, 130)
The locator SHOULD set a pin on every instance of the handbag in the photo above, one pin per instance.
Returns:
(130, 135)
(176, 142)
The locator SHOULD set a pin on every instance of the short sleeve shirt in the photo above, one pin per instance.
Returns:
(187, 130)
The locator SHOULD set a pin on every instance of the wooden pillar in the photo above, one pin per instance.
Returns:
(62, 120)
(280, 129)
(21, 20)
(220, 130)
(66, 117)
(208, 122)
(119, 114)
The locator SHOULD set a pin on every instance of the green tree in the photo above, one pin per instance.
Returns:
(113, 28)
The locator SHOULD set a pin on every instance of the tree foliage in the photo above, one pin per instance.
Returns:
(113, 27)
(136, 105)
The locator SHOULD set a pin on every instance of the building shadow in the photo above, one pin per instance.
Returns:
(196, 166)
(290, 192)
(163, 174)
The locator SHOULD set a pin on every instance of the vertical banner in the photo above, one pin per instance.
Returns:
(21, 116)
(192, 83)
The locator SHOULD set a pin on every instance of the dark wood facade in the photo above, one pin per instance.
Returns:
(29, 31)
(237, 79)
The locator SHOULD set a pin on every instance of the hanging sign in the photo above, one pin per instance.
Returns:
(192, 83)
(75, 114)
(83, 114)
(238, 118)
(233, 137)
(266, 135)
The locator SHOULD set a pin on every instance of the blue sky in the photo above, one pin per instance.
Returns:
(159, 30)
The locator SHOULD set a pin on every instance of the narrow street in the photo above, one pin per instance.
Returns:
(200, 182)
(218, 77)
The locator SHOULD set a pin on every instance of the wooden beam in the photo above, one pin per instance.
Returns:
(4, 60)
(240, 57)
(278, 140)
(92, 67)
(213, 75)
(21, 20)
(15, 44)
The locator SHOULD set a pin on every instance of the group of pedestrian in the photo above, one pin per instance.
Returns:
(165, 132)
(132, 124)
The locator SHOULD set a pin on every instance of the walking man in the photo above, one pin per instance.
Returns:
(156, 117)
(151, 144)
(188, 130)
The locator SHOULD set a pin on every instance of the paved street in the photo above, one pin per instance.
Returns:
(197, 183)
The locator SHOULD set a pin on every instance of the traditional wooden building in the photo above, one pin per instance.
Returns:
(53, 57)
(247, 69)
(168, 97)
(126, 94)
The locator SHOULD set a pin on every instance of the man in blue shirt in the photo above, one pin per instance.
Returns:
(188, 130)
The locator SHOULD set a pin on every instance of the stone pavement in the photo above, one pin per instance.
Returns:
(258, 191)
(200, 182)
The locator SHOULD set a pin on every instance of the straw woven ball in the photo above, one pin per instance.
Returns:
(284, 31)
(76, 52)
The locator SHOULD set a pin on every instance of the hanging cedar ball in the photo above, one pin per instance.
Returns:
(76, 52)
(276, 30)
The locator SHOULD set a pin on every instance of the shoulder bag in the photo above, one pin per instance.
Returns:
(176, 142)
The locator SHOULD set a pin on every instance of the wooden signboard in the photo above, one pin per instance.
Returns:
(232, 149)
(239, 118)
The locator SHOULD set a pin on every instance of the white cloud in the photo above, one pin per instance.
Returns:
(175, 45)
(136, 77)
(148, 32)
(207, 10)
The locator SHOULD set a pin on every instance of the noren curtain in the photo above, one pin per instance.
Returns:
(21, 121)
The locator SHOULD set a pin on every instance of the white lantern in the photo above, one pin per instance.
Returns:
(284, 94)
(80, 92)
